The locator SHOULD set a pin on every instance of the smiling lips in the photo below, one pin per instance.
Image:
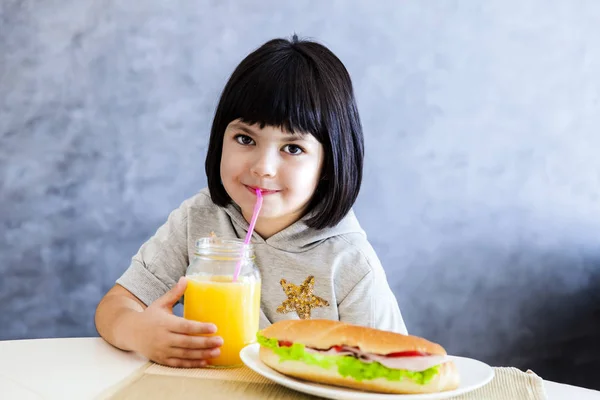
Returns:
(265, 192)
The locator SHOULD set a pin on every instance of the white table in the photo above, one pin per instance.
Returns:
(81, 368)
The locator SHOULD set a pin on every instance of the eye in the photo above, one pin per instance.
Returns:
(293, 149)
(244, 140)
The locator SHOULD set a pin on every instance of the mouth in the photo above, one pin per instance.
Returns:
(264, 192)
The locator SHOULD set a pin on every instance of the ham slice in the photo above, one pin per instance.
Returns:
(417, 363)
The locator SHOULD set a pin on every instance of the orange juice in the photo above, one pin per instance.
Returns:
(233, 307)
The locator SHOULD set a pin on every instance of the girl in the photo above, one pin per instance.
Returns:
(287, 124)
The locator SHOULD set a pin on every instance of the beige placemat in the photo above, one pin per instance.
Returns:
(509, 384)
(157, 382)
(154, 382)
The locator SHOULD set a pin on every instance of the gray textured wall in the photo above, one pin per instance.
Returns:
(482, 183)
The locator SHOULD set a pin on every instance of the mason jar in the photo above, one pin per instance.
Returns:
(213, 295)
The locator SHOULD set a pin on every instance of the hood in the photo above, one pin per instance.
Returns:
(297, 237)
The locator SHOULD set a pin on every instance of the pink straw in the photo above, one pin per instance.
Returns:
(257, 206)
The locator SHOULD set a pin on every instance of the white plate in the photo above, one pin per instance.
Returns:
(473, 375)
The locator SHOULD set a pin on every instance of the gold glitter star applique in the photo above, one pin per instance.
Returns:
(300, 298)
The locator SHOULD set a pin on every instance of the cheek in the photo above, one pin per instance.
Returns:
(306, 177)
(230, 172)
(228, 165)
(224, 167)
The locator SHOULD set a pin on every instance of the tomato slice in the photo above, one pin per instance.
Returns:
(283, 343)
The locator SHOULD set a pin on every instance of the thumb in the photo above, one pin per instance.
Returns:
(172, 296)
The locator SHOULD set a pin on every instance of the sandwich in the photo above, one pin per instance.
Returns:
(341, 354)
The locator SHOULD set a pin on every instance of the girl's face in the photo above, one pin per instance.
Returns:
(286, 167)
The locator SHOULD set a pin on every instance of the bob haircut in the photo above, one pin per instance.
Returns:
(300, 87)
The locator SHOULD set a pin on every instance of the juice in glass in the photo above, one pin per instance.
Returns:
(212, 295)
(232, 306)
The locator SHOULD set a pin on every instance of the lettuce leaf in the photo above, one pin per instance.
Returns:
(346, 365)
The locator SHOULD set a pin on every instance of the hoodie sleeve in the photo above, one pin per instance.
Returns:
(372, 303)
(161, 261)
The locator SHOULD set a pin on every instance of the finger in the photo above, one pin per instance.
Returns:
(196, 342)
(172, 296)
(194, 354)
(189, 327)
(182, 363)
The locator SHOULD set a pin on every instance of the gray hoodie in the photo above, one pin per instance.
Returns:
(347, 273)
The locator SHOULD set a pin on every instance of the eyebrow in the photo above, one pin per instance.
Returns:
(244, 128)
(290, 137)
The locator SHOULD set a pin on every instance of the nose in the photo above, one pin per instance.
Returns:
(265, 164)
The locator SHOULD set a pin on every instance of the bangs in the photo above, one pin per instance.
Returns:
(283, 93)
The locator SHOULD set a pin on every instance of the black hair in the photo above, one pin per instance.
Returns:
(299, 86)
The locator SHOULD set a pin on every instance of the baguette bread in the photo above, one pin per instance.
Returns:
(322, 334)
(325, 334)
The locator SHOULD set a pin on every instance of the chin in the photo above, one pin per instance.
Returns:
(266, 213)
